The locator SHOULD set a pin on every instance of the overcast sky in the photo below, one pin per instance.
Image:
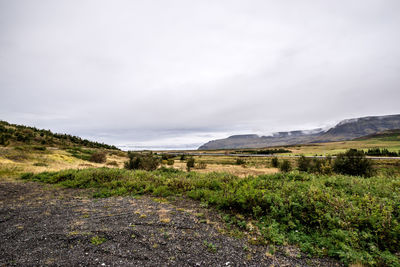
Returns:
(179, 73)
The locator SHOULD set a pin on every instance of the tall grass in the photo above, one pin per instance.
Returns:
(354, 219)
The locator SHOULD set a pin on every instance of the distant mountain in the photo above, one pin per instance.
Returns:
(344, 130)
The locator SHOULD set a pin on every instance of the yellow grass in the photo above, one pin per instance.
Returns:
(233, 169)
(54, 160)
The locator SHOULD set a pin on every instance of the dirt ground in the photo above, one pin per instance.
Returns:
(46, 225)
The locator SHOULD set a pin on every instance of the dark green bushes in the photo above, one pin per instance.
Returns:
(285, 166)
(315, 165)
(382, 152)
(264, 151)
(142, 161)
(190, 163)
(353, 162)
(275, 162)
(240, 161)
(346, 217)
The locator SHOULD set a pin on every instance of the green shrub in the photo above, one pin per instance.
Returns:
(275, 162)
(190, 163)
(98, 157)
(170, 162)
(142, 161)
(303, 164)
(353, 162)
(240, 161)
(285, 166)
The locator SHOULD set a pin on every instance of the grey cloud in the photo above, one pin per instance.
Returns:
(189, 71)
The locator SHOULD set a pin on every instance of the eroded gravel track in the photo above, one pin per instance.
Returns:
(44, 225)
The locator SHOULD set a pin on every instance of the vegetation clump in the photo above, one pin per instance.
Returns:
(265, 151)
(285, 166)
(142, 161)
(190, 163)
(382, 152)
(201, 165)
(353, 162)
(98, 157)
(240, 161)
(315, 165)
(275, 162)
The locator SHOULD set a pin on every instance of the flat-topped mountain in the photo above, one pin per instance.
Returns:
(344, 130)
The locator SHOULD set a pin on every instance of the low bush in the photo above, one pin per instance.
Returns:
(98, 157)
(275, 162)
(142, 161)
(315, 165)
(285, 166)
(353, 162)
(303, 164)
(240, 161)
(190, 163)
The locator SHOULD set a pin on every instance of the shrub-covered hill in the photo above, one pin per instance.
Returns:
(13, 134)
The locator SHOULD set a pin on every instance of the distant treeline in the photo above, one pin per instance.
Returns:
(31, 135)
(382, 152)
(263, 151)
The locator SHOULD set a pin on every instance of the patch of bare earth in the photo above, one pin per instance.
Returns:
(45, 225)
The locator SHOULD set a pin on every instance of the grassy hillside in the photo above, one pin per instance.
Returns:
(28, 149)
(13, 134)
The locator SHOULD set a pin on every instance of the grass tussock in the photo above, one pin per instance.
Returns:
(354, 219)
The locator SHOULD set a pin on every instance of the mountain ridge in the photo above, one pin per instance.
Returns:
(347, 129)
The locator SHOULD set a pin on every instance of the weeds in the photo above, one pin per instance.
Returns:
(210, 246)
(96, 240)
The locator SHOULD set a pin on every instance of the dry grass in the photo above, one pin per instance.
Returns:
(233, 169)
(14, 162)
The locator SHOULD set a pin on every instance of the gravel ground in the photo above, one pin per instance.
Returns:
(46, 225)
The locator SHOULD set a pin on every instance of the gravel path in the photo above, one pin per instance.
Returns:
(45, 225)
